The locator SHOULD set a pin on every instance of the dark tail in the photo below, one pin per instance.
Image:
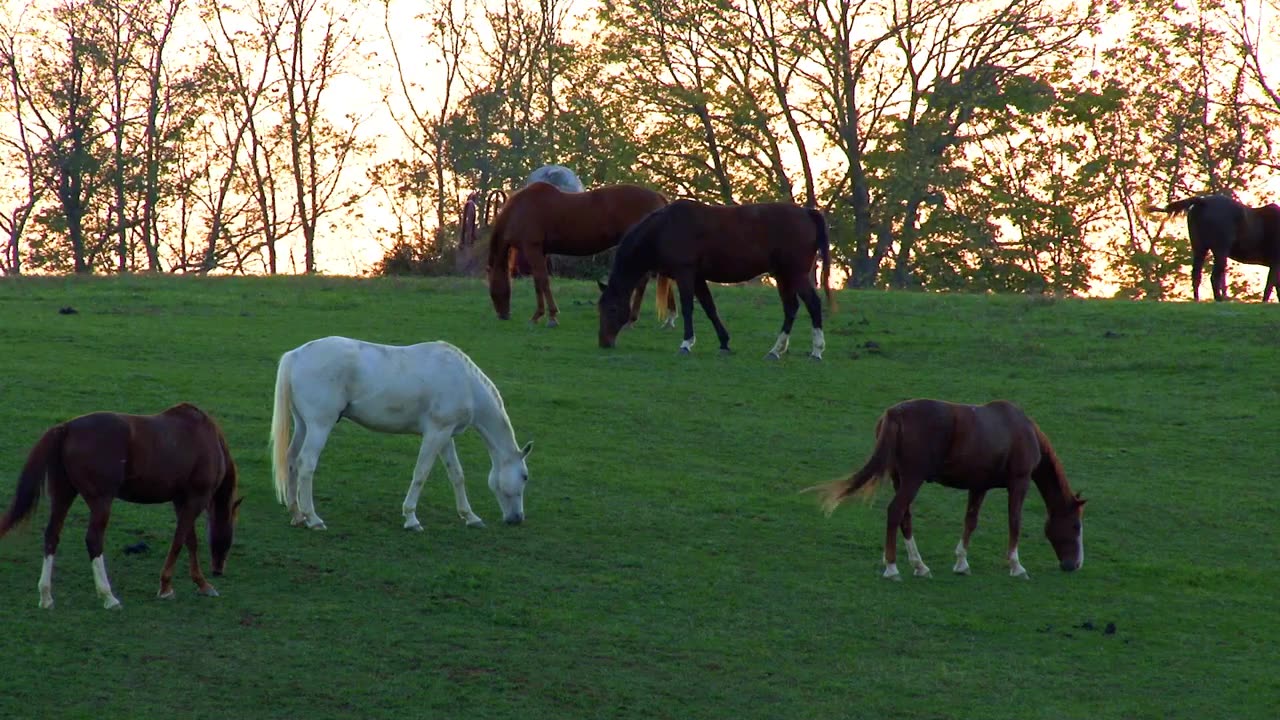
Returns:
(824, 250)
(43, 459)
(1174, 208)
(863, 482)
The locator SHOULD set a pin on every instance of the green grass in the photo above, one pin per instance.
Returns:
(668, 567)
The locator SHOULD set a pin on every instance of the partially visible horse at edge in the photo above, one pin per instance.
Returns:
(431, 389)
(1229, 229)
(541, 220)
(694, 243)
(977, 448)
(178, 456)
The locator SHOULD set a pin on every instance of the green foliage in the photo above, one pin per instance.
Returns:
(668, 567)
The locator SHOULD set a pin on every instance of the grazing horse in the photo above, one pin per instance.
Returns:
(966, 447)
(540, 219)
(178, 456)
(431, 389)
(1232, 230)
(693, 243)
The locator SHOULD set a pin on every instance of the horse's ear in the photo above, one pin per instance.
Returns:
(524, 451)
(602, 286)
(236, 505)
(1080, 501)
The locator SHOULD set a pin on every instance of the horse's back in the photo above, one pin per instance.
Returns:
(734, 243)
(962, 445)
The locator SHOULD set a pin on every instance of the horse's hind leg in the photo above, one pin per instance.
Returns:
(291, 485)
(813, 304)
(790, 304)
(61, 495)
(449, 456)
(433, 440)
(708, 304)
(970, 524)
(99, 517)
(1219, 276)
(899, 508)
(312, 445)
(908, 536)
(1271, 283)
(1197, 270)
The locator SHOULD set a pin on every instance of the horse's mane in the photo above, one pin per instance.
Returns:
(1050, 471)
(477, 373)
(629, 247)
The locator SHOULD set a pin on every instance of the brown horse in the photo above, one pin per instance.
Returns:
(178, 456)
(693, 244)
(967, 447)
(540, 220)
(1232, 230)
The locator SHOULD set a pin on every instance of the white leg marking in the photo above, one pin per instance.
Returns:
(913, 554)
(46, 583)
(779, 346)
(962, 560)
(687, 345)
(1080, 539)
(1015, 567)
(819, 344)
(453, 467)
(891, 572)
(432, 441)
(109, 600)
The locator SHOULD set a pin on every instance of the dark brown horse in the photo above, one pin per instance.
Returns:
(540, 220)
(1229, 229)
(693, 244)
(178, 456)
(966, 447)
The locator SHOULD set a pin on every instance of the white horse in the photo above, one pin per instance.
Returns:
(432, 389)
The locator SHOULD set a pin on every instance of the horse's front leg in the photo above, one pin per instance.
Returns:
(1197, 271)
(970, 524)
(432, 441)
(684, 286)
(193, 555)
(1017, 493)
(99, 516)
(539, 267)
(637, 298)
(1219, 276)
(709, 307)
(183, 529)
(449, 456)
(1271, 282)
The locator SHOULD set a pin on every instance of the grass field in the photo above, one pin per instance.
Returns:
(668, 567)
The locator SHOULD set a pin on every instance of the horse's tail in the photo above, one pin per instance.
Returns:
(281, 415)
(666, 301)
(44, 459)
(1176, 207)
(863, 482)
(824, 251)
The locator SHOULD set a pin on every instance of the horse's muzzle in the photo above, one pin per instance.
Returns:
(514, 519)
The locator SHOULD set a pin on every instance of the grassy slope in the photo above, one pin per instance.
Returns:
(668, 568)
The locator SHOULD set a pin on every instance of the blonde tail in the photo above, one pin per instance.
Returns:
(281, 416)
(666, 302)
(862, 484)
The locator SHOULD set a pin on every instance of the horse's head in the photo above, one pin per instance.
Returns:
(222, 528)
(615, 313)
(1065, 530)
(507, 481)
(500, 290)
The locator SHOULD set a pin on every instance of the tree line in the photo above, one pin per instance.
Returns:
(1003, 145)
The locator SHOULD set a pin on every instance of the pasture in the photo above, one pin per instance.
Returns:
(668, 567)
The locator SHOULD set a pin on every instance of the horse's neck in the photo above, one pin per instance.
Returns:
(1053, 488)
(493, 424)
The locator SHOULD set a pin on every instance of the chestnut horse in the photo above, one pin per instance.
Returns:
(966, 447)
(178, 456)
(540, 219)
(694, 243)
(1232, 230)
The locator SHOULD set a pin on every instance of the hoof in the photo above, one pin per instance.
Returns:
(725, 351)
(923, 572)
(477, 524)
(684, 351)
(961, 569)
(1019, 574)
(815, 358)
(166, 594)
(416, 527)
(771, 355)
(209, 591)
(112, 604)
(896, 577)
(298, 521)
(46, 604)
(553, 323)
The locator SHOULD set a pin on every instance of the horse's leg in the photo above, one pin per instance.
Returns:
(709, 307)
(1271, 283)
(184, 534)
(193, 555)
(813, 304)
(291, 485)
(1017, 493)
(432, 441)
(970, 524)
(99, 516)
(637, 297)
(1197, 269)
(684, 285)
(899, 507)
(312, 445)
(1219, 275)
(449, 456)
(542, 287)
(913, 553)
(790, 303)
(61, 495)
